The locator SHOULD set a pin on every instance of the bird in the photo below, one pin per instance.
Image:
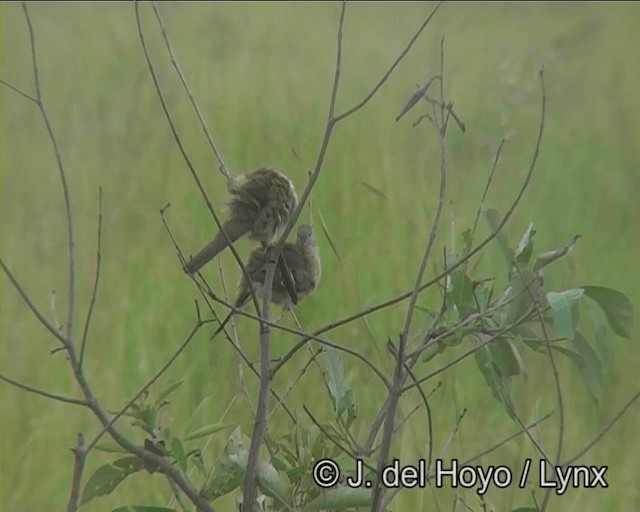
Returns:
(303, 261)
(260, 207)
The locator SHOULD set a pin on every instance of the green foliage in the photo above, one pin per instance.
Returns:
(107, 477)
(518, 316)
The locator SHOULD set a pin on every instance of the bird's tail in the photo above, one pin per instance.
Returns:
(234, 229)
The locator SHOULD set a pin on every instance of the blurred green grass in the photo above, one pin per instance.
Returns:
(262, 73)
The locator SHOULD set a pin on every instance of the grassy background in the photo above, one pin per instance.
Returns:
(262, 73)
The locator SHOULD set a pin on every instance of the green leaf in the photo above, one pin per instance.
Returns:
(583, 367)
(107, 477)
(561, 310)
(201, 410)
(525, 509)
(499, 384)
(206, 431)
(525, 246)
(272, 482)
(167, 391)
(334, 371)
(229, 471)
(548, 257)
(494, 218)
(467, 240)
(592, 371)
(110, 448)
(340, 499)
(599, 323)
(460, 292)
(616, 306)
(198, 462)
(226, 477)
(507, 363)
(518, 295)
(235, 443)
(177, 450)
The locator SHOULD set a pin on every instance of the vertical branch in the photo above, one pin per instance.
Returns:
(80, 457)
(486, 188)
(399, 375)
(328, 130)
(436, 221)
(260, 424)
(63, 178)
(94, 292)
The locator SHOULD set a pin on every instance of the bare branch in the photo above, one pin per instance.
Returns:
(506, 440)
(94, 292)
(80, 456)
(436, 221)
(399, 374)
(63, 178)
(45, 323)
(260, 424)
(20, 92)
(486, 188)
(46, 394)
(328, 130)
(147, 384)
(337, 443)
(606, 429)
(194, 103)
(393, 66)
(390, 302)
(183, 152)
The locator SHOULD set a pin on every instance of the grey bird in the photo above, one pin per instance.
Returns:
(260, 207)
(303, 261)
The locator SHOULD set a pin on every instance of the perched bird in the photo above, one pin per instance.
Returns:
(260, 207)
(303, 261)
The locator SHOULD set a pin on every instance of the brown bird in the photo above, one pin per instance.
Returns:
(303, 261)
(260, 207)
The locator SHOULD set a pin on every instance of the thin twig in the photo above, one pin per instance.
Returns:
(328, 131)
(470, 352)
(425, 401)
(185, 157)
(399, 374)
(506, 440)
(20, 92)
(337, 443)
(63, 178)
(393, 66)
(486, 188)
(45, 323)
(194, 103)
(46, 394)
(390, 302)
(94, 292)
(205, 295)
(606, 429)
(148, 383)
